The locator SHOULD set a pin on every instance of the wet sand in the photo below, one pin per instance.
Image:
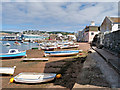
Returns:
(54, 65)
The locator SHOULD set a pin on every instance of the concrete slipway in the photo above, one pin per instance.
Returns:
(97, 73)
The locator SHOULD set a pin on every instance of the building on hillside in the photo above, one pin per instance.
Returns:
(53, 37)
(2, 35)
(59, 35)
(110, 24)
(33, 37)
(89, 32)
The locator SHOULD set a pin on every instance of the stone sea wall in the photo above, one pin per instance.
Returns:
(112, 41)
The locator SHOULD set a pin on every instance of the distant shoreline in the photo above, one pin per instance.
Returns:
(10, 40)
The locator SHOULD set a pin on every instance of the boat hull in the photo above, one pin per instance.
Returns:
(34, 77)
(49, 49)
(61, 53)
(14, 55)
(7, 70)
(67, 47)
(35, 59)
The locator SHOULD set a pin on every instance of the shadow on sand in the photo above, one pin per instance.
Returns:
(68, 68)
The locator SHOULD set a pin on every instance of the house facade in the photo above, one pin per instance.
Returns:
(110, 24)
(90, 32)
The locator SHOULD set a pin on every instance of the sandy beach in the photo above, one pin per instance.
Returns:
(57, 65)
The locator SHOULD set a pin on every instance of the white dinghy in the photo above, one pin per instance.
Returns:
(7, 44)
(7, 70)
(29, 77)
(35, 59)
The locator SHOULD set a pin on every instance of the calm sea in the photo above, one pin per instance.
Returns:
(4, 49)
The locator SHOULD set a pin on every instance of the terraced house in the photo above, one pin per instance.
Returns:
(110, 24)
(88, 33)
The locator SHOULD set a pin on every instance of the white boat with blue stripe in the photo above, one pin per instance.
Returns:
(13, 53)
(61, 53)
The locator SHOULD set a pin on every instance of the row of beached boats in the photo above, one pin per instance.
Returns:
(48, 46)
(33, 77)
(14, 53)
(27, 77)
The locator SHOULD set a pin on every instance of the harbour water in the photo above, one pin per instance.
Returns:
(4, 49)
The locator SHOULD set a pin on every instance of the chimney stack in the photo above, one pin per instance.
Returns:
(92, 23)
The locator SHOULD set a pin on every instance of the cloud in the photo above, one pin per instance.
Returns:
(60, 0)
(55, 15)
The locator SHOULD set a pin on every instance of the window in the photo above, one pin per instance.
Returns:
(92, 33)
(13, 51)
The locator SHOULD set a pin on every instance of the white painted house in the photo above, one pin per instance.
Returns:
(88, 33)
(110, 24)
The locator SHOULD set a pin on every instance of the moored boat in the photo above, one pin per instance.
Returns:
(7, 44)
(7, 70)
(61, 53)
(13, 53)
(26, 43)
(31, 77)
(16, 43)
(22, 41)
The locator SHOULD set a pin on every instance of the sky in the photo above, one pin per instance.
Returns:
(54, 16)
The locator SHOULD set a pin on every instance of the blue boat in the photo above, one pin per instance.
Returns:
(61, 53)
(13, 53)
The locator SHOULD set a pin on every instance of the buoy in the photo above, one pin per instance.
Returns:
(58, 75)
(80, 53)
(11, 80)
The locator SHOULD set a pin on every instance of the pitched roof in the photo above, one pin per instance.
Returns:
(114, 19)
